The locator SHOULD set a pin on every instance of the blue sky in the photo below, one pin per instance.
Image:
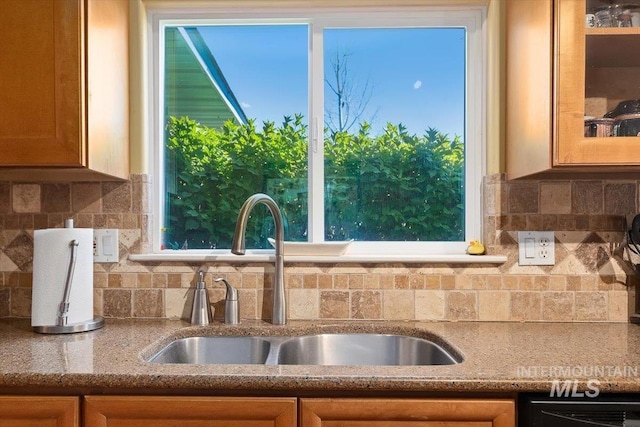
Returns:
(416, 76)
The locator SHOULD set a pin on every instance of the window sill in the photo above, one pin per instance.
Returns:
(268, 256)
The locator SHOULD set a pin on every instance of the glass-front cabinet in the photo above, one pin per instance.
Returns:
(572, 86)
(597, 83)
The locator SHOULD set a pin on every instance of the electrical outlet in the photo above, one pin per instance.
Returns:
(536, 248)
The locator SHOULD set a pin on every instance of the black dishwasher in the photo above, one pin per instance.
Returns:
(604, 410)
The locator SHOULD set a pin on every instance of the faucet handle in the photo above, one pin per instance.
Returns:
(232, 293)
(231, 304)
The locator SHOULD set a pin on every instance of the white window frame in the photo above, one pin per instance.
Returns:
(472, 18)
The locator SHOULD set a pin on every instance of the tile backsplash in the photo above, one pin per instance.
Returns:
(592, 280)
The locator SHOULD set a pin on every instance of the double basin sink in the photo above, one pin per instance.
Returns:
(346, 349)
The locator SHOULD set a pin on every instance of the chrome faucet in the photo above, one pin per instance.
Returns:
(279, 310)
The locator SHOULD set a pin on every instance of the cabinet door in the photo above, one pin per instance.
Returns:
(406, 412)
(135, 411)
(39, 411)
(40, 83)
(596, 68)
(559, 72)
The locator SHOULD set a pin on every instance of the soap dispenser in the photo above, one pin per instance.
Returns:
(231, 308)
(201, 309)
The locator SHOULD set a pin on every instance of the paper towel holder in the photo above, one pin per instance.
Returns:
(90, 325)
(62, 327)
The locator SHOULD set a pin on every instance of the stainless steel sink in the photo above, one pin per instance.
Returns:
(362, 350)
(345, 349)
(214, 350)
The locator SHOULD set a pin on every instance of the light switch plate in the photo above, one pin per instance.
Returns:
(105, 245)
(536, 248)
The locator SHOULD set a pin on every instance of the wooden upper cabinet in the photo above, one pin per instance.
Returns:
(64, 87)
(171, 411)
(597, 68)
(529, 100)
(407, 412)
(39, 411)
(558, 73)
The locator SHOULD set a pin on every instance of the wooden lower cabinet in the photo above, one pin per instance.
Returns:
(137, 411)
(172, 411)
(39, 411)
(407, 412)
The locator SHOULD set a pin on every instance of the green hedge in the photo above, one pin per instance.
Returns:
(394, 186)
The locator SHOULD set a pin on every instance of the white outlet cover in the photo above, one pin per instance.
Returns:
(105, 245)
(536, 248)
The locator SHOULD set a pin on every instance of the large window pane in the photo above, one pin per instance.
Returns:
(236, 124)
(394, 142)
(236, 118)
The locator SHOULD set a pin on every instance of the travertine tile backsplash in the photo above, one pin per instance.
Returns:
(590, 281)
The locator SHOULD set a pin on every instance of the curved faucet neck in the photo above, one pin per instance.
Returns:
(238, 247)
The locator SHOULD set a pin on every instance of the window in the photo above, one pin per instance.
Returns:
(363, 125)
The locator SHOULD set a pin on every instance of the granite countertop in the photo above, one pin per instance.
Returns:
(498, 357)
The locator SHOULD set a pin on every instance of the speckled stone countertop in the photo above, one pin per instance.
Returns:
(498, 357)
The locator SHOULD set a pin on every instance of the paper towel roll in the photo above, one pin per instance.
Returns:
(51, 255)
